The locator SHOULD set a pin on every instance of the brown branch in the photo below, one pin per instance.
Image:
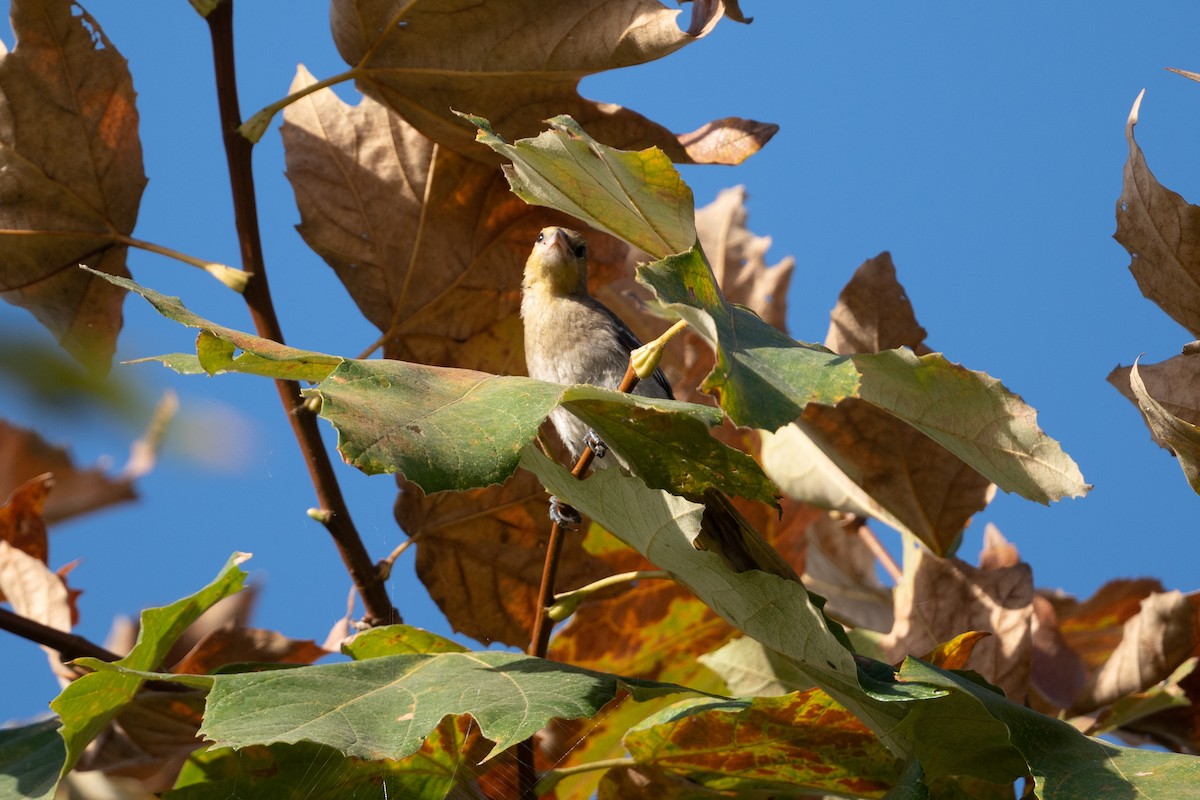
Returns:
(68, 645)
(880, 552)
(336, 516)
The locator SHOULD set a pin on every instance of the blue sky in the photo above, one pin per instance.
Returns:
(982, 146)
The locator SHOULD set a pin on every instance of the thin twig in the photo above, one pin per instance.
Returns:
(881, 554)
(68, 645)
(337, 521)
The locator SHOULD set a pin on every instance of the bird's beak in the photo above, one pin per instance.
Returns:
(557, 240)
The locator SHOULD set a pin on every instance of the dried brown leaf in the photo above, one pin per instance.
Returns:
(839, 567)
(860, 459)
(940, 598)
(997, 551)
(1095, 627)
(33, 589)
(1168, 395)
(480, 555)
(21, 518)
(1058, 672)
(72, 163)
(24, 454)
(1174, 383)
(519, 62)
(1161, 231)
(246, 645)
(874, 313)
(1154, 642)
(430, 245)
(1176, 728)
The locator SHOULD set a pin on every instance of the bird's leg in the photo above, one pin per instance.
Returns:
(593, 440)
(563, 515)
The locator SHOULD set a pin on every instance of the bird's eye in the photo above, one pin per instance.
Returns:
(541, 237)
(580, 250)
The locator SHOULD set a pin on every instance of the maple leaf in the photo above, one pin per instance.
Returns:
(431, 245)
(519, 62)
(940, 598)
(1161, 231)
(24, 454)
(480, 555)
(855, 456)
(73, 174)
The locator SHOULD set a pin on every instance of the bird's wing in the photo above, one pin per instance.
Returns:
(631, 342)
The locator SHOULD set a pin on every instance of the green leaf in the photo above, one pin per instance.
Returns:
(318, 772)
(262, 356)
(1066, 764)
(973, 416)
(87, 705)
(778, 745)
(636, 196)
(956, 734)
(763, 378)
(445, 428)
(676, 453)
(31, 760)
(394, 640)
(449, 428)
(385, 707)
(777, 612)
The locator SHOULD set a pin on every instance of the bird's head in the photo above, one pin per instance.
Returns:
(558, 262)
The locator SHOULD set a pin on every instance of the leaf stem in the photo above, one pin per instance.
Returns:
(235, 279)
(254, 128)
(385, 566)
(566, 603)
(336, 519)
(558, 773)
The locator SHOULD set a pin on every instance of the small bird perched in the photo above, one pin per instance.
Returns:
(570, 338)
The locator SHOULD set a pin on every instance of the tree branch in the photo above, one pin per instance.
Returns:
(337, 521)
(68, 645)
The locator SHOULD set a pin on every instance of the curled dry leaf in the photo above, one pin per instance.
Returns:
(518, 62)
(21, 518)
(1161, 231)
(1168, 395)
(72, 162)
(940, 598)
(480, 555)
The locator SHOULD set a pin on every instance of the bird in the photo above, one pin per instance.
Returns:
(573, 338)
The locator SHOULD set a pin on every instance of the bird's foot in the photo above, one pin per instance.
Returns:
(593, 440)
(563, 515)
